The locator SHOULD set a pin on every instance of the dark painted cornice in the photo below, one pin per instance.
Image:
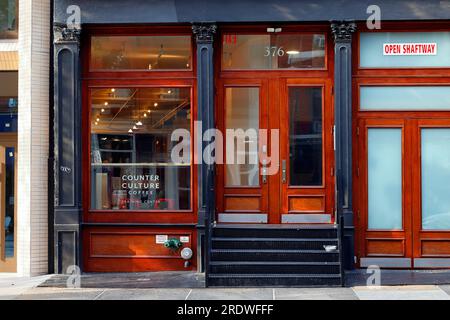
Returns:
(64, 34)
(343, 30)
(204, 32)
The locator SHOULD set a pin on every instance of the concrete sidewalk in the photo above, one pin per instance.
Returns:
(30, 289)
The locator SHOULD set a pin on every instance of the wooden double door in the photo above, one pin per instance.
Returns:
(402, 186)
(277, 150)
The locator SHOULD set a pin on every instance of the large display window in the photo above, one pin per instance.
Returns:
(131, 146)
(139, 106)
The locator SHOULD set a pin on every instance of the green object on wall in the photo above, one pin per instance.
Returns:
(173, 244)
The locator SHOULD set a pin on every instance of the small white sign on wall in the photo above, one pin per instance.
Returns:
(161, 238)
(184, 239)
(409, 49)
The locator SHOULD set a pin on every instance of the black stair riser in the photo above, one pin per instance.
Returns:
(274, 256)
(274, 233)
(247, 244)
(271, 282)
(275, 269)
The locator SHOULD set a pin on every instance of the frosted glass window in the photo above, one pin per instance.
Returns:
(371, 50)
(405, 98)
(385, 179)
(435, 179)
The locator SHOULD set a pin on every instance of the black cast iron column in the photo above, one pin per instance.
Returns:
(204, 36)
(67, 148)
(342, 33)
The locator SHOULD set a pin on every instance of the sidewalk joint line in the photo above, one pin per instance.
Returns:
(189, 293)
(99, 295)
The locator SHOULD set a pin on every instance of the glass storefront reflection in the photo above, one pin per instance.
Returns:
(131, 166)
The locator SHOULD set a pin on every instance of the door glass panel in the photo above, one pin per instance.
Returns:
(375, 98)
(305, 136)
(385, 179)
(242, 115)
(131, 145)
(141, 53)
(435, 179)
(9, 202)
(281, 51)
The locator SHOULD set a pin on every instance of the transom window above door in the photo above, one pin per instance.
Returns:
(145, 53)
(273, 51)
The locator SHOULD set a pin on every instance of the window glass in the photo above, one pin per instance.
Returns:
(435, 179)
(405, 98)
(385, 179)
(9, 198)
(8, 101)
(141, 53)
(242, 114)
(8, 19)
(372, 54)
(269, 51)
(131, 163)
(305, 136)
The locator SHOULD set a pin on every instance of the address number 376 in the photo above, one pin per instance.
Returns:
(274, 51)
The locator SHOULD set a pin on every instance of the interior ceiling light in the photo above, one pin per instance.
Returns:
(169, 91)
(103, 110)
(106, 103)
(98, 120)
(293, 52)
(156, 103)
(96, 123)
(130, 131)
(135, 128)
(145, 115)
(113, 90)
(139, 123)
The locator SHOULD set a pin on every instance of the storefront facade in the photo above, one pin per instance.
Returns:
(332, 98)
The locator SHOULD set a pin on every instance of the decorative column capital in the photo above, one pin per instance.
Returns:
(204, 33)
(65, 34)
(343, 30)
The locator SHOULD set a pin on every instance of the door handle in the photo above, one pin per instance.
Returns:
(264, 172)
(283, 171)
